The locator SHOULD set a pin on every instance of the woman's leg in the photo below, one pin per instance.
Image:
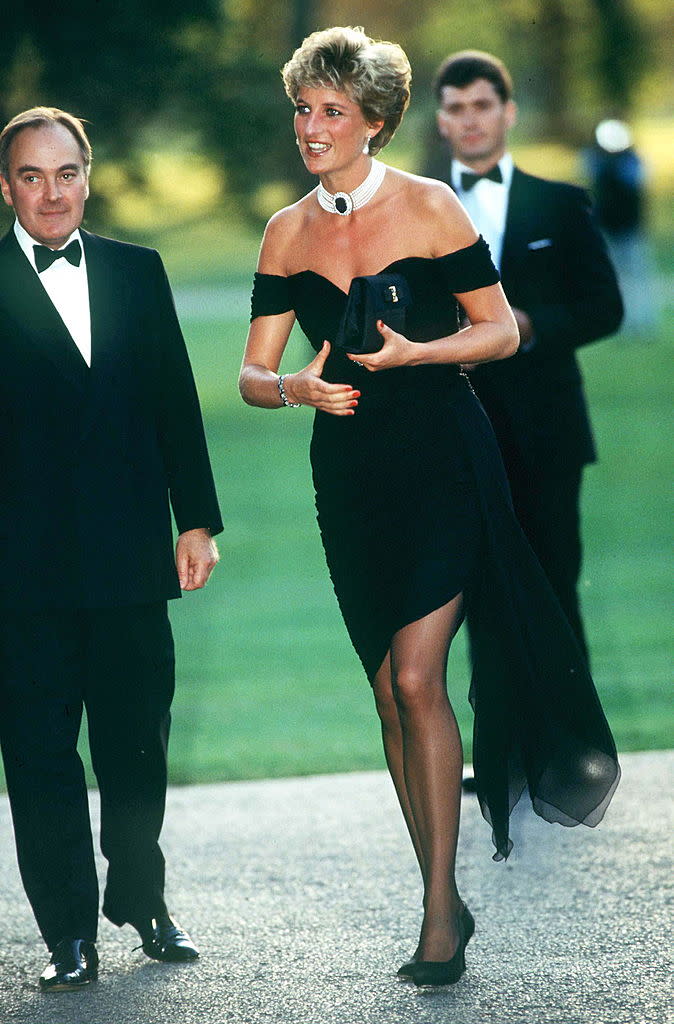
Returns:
(392, 736)
(426, 761)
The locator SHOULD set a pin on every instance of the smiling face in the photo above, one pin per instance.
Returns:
(47, 183)
(331, 131)
(475, 122)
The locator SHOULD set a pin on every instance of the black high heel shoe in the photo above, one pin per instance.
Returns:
(406, 972)
(431, 974)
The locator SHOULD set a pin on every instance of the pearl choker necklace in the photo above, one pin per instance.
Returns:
(345, 203)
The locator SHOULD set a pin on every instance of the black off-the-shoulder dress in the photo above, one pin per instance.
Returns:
(414, 508)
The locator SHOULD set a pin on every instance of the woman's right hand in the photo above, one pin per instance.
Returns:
(308, 388)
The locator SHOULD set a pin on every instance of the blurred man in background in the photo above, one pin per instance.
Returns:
(618, 182)
(559, 280)
(101, 425)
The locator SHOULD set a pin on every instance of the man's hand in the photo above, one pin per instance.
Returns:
(196, 557)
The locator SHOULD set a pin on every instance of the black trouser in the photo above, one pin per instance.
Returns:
(119, 664)
(547, 505)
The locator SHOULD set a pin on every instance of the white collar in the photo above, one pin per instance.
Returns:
(505, 163)
(27, 242)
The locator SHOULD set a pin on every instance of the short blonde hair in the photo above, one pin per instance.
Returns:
(375, 75)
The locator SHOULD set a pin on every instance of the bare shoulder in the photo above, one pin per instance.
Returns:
(432, 206)
(424, 193)
(282, 235)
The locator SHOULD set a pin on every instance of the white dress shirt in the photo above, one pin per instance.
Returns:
(486, 203)
(67, 287)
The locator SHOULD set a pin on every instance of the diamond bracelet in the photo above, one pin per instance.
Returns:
(284, 397)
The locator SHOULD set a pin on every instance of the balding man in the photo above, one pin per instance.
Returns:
(101, 436)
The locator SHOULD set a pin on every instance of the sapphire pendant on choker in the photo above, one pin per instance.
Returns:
(344, 203)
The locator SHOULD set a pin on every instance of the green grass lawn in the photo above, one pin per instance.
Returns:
(268, 683)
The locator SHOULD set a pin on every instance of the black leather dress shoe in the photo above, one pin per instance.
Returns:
(165, 940)
(73, 964)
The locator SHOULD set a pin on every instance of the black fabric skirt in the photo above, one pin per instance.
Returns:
(414, 507)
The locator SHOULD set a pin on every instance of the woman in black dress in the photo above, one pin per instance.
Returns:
(412, 501)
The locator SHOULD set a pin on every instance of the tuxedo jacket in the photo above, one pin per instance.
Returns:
(555, 267)
(92, 459)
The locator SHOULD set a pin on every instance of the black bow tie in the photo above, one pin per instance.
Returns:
(468, 179)
(44, 257)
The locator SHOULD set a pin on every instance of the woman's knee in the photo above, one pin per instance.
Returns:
(415, 689)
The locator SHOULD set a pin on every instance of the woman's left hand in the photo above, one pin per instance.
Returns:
(397, 350)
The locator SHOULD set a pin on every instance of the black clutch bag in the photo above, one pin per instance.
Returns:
(377, 297)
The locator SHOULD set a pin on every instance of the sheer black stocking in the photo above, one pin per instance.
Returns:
(425, 758)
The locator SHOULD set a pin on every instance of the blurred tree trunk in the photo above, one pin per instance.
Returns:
(303, 20)
(621, 53)
(554, 34)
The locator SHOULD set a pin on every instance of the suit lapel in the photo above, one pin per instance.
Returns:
(449, 179)
(26, 303)
(106, 301)
(516, 225)
(114, 323)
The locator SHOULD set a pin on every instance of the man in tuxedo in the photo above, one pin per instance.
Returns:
(561, 285)
(101, 427)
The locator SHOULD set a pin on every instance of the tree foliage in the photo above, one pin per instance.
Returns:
(114, 61)
(621, 52)
(208, 70)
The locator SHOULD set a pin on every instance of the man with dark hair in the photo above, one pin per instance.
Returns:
(562, 288)
(101, 427)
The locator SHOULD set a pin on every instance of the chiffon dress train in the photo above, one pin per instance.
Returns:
(414, 508)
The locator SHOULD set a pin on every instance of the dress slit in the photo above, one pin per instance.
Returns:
(538, 721)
